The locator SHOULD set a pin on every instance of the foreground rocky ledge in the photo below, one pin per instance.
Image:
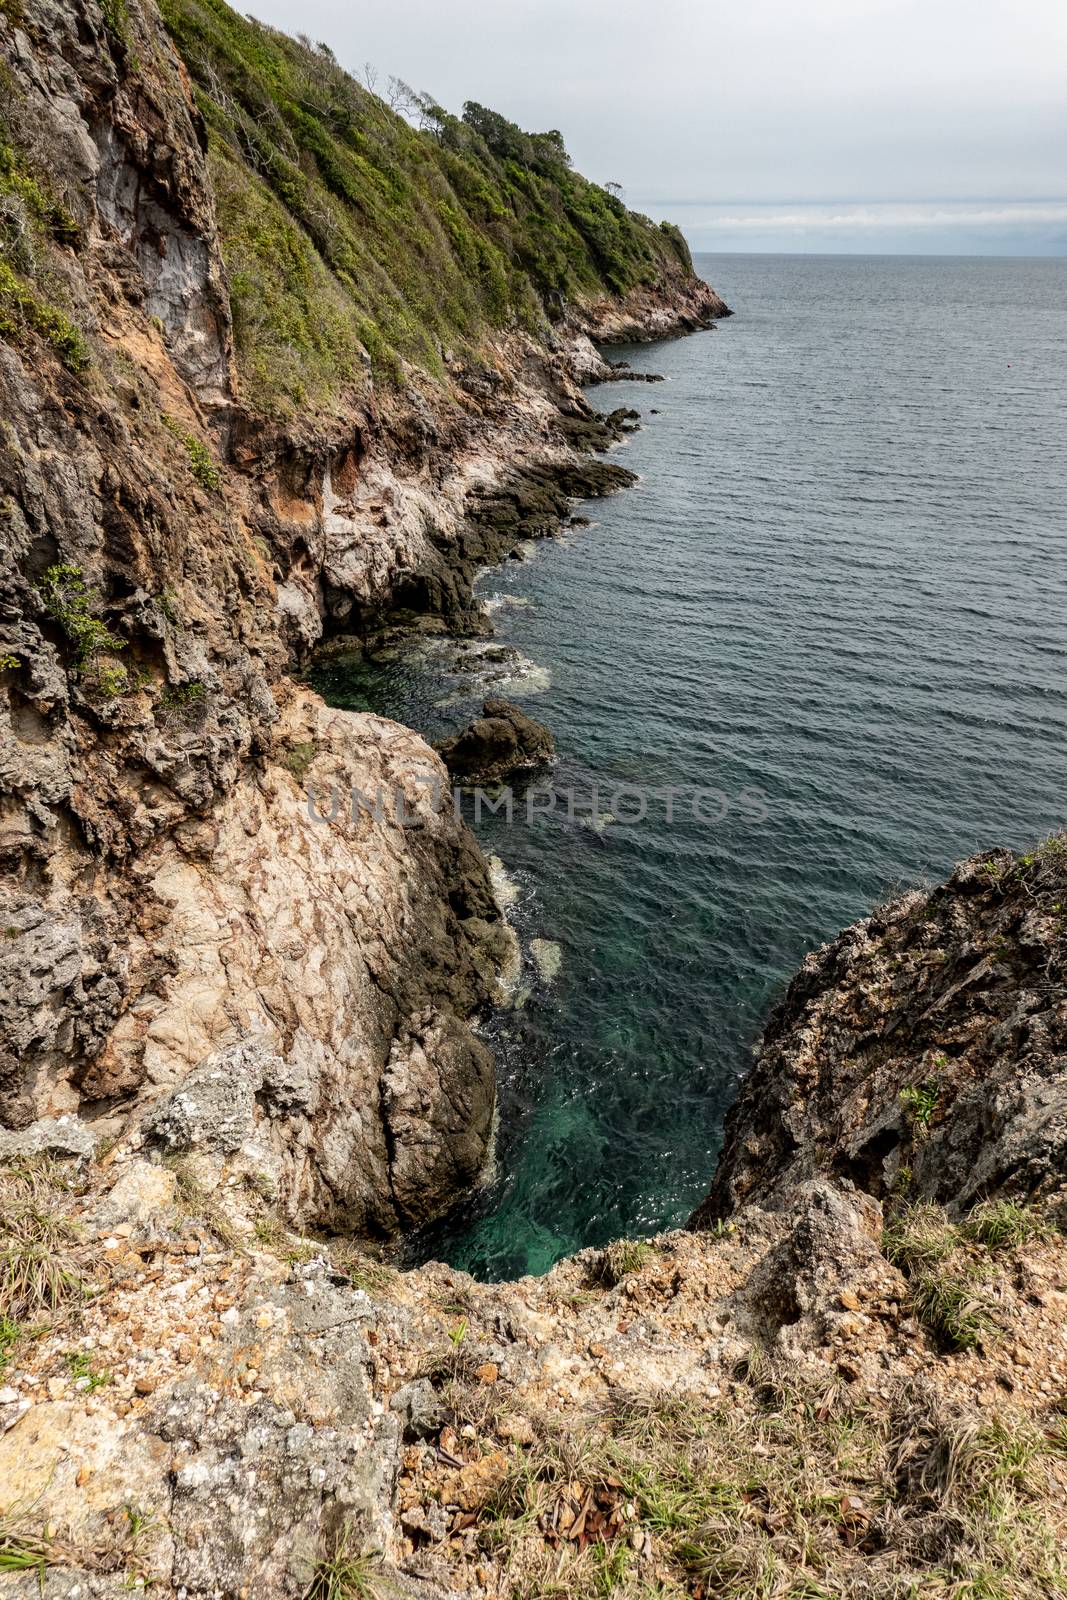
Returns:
(839, 1387)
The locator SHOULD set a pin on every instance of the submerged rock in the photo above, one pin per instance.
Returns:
(496, 746)
(547, 957)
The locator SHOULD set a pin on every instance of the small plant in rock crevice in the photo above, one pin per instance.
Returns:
(201, 464)
(345, 1573)
(69, 602)
(920, 1101)
(82, 1369)
(620, 1259)
(298, 758)
(183, 704)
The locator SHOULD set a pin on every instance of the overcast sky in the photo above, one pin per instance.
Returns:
(925, 125)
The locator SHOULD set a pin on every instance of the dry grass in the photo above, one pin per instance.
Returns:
(946, 1292)
(779, 1493)
(198, 1205)
(39, 1241)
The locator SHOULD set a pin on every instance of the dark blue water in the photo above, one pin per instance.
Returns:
(839, 586)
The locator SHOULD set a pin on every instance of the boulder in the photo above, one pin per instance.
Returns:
(494, 747)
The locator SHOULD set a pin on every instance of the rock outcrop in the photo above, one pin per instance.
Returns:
(923, 1052)
(497, 746)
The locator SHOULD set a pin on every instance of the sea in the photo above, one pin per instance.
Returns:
(817, 654)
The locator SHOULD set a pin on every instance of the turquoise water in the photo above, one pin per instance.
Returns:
(839, 584)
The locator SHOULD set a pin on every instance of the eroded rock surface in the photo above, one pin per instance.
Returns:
(923, 1051)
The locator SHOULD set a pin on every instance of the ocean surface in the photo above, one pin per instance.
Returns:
(833, 617)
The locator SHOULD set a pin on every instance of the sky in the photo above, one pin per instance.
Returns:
(812, 125)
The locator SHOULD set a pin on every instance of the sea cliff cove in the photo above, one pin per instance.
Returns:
(533, 1014)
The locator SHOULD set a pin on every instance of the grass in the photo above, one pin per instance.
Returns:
(197, 1204)
(80, 1365)
(345, 1573)
(39, 1271)
(620, 1259)
(919, 1238)
(349, 234)
(778, 1492)
(10, 1333)
(952, 1310)
(945, 1293)
(24, 1551)
(1005, 1225)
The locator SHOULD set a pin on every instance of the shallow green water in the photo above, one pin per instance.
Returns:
(839, 583)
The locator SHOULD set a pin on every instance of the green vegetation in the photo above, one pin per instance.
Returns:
(22, 308)
(945, 1293)
(920, 1102)
(69, 601)
(9, 1336)
(31, 218)
(80, 1366)
(952, 1309)
(183, 704)
(620, 1259)
(1005, 1224)
(117, 22)
(28, 212)
(298, 758)
(203, 467)
(23, 1550)
(779, 1493)
(344, 1574)
(347, 230)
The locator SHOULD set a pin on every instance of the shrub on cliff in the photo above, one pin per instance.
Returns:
(346, 229)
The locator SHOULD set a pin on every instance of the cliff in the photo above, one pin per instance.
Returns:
(274, 364)
(838, 1386)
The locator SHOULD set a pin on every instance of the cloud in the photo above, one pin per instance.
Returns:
(868, 217)
(856, 104)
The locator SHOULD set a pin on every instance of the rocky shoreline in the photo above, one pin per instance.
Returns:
(240, 1007)
(830, 1379)
(170, 557)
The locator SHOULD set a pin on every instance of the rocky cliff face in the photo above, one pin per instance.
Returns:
(177, 534)
(921, 1053)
